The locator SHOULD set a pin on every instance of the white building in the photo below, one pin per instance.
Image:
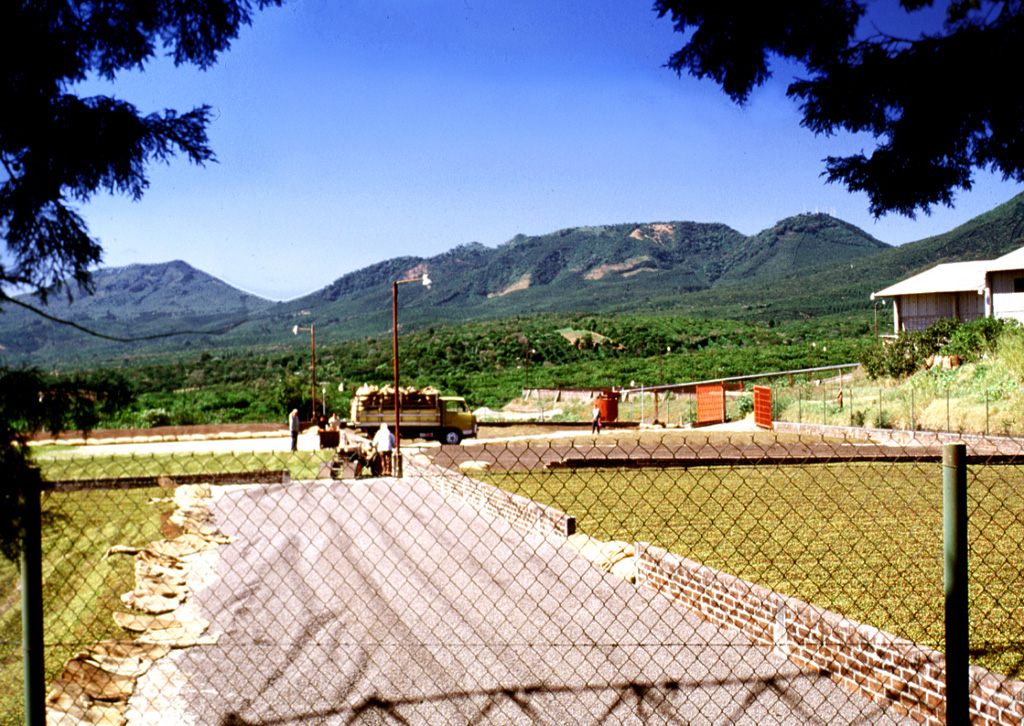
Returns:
(961, 290)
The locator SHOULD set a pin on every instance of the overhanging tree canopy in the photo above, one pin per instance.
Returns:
(940, 105)
(57, 148)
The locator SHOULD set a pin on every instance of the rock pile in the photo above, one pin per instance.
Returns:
(95, 685)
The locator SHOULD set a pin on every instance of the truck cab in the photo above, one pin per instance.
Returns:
(458, 421)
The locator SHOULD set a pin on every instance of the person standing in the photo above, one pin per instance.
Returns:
(383, 443)
(293, 428)
(595, 420)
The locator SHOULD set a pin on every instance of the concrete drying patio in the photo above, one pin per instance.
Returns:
(382, 601)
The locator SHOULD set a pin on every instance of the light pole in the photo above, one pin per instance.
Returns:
(661, 382)
(529, 357)
(877, 303)
(397, 469)
(312, 345)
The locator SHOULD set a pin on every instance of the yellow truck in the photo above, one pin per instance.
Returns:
(425, 414)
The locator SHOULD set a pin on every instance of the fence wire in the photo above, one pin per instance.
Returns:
(672, 577)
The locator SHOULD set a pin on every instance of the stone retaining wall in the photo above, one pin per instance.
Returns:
(882, 667)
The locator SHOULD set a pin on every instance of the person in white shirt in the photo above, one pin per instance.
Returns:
(383, 443)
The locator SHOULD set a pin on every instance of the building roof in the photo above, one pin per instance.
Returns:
(949, 277)
(1010, 261)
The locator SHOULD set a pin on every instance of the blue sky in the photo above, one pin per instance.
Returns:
(348, 132)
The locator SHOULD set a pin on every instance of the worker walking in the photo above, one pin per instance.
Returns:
(293, 428)
(384, 443)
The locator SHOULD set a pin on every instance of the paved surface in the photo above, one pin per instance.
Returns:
(380, 602)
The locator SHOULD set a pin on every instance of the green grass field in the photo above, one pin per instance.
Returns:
(72, 464)
(81, 588)
(861, 539)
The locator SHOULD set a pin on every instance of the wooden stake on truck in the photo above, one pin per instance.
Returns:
(425, 414)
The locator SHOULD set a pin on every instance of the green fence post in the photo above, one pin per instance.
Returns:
(32, 604)
(954, 518)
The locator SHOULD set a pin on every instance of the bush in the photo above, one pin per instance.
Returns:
(972, 340)
(896, 359)
(154, 417)
(744, 406)
(903, 356)
(937, 335)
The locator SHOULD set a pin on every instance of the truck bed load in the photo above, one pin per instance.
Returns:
(371, 398)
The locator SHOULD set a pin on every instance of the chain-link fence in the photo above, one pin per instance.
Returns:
(671, 577)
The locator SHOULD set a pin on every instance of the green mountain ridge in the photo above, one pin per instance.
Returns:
(806, 265)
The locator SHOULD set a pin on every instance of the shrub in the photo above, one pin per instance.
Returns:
(972, 340)
(154, 417)
(938, 334)
(898, 358)
(903, 356)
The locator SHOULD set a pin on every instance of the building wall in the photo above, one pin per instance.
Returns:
(917, 312)
(1006, 301)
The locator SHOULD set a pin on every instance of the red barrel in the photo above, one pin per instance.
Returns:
(608, 404)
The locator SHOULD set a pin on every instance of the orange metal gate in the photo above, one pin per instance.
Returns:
(711, 403)
(763, 407)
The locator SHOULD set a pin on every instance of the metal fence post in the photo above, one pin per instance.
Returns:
(32, 603)
(954, 517)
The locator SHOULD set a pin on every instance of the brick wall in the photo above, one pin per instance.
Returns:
(524, 514)
(882, 667)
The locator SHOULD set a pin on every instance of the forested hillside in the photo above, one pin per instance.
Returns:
(803, 267)
(489, 362)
